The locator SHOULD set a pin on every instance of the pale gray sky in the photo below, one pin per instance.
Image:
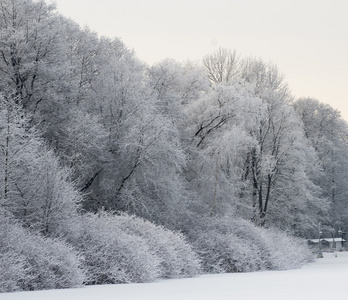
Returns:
(307, 39)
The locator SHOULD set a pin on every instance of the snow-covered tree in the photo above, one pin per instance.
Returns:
(219, 124)
(32, 56)
(222, 66)
(34, 187)
(280, 164)
(328, 134)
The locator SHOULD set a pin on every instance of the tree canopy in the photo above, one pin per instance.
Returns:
(99, 150)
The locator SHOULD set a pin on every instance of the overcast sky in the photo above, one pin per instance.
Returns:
(307, 39)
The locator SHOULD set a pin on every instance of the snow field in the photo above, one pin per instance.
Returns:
(324, 279)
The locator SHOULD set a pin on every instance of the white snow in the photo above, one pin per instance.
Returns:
(327, 278)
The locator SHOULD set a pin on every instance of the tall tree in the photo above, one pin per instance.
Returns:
(328, 133)
(219, 125)
(33, 186)
(277, 163)
(222, 66)
(280, 164)
(29, 42)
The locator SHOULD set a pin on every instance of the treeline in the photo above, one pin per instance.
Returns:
(124, 172)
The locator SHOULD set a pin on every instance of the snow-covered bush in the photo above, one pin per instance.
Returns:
(223, 250)
(286, 252)
(235, 245)
(31, 262)
(113, 255)
(261, 248)
(177, 258)
(12, 264)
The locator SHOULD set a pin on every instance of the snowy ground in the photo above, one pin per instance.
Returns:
(325, 279)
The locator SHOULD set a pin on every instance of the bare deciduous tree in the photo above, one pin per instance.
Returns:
(221, 66)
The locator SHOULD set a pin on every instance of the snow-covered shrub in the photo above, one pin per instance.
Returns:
(12, 264)
(235, 245)
(222, 250)
(52, 264)
(177, 258)
(31, 262)
(286, 252)
(113, 255)
(261, 248)
(186, 262)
